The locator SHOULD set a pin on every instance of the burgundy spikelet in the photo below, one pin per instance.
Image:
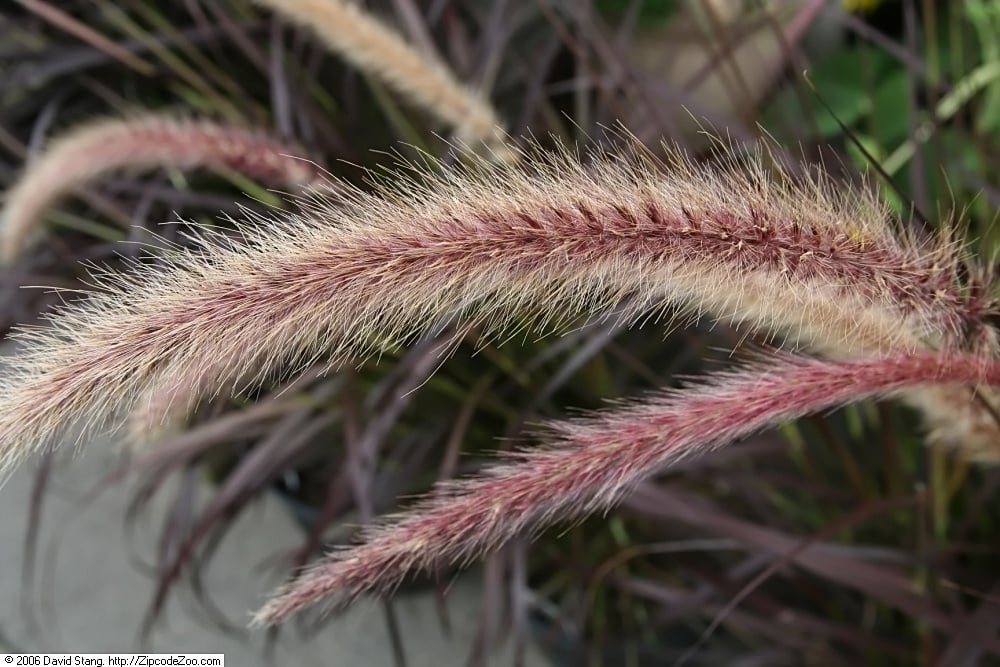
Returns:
(590, 463)
(549, 239)
(142, 142)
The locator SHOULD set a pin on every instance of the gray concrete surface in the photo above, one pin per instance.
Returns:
(91, 598)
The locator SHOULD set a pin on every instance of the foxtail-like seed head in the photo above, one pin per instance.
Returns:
(587, 465)
(144, 141)
(374, 48)
(546, 240)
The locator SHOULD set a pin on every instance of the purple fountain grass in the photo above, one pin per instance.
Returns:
(417, 77)
(590, 463)
(548, 239)
(545, 241)
(144, 141)
(154, 140)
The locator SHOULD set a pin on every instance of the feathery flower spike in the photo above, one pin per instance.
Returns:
(375, 49)
(144, 141)
(590, 464)
(548, 239)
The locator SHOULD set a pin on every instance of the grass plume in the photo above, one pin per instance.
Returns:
(589, 464)
(374, 48)
(548, 238)
(143, 141)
